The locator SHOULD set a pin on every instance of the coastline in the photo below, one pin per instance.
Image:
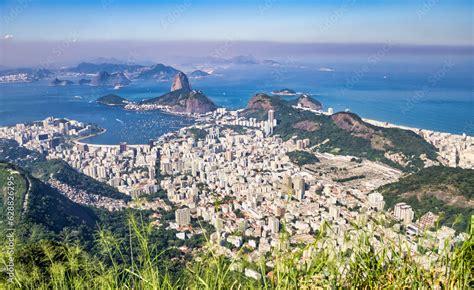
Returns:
(167, 111)
(377, 123)
(370, 121)
(416, 130)
(77, 140)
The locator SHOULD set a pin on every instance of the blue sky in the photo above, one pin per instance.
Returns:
(409, 22)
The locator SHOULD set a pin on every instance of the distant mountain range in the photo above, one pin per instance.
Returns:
(157, 72)
(104, 78)
(93, 68)
(197, 74)
(236, 60)
(112, 72)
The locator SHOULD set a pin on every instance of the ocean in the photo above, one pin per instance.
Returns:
(431, 93)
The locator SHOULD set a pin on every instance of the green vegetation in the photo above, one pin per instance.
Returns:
(80, 248)
(60, 265)
(45, 221)
(112, 100)
(40, 211)
(343, 133)
(196, 133)
(179, 97)
(346, 179)
(284, 91)
(236, 128)
(446, 191)
(455, 181)
(301, 158)
(63, 172)
(41, 168)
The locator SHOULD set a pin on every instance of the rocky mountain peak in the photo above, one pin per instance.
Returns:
(261, 102)
(306, 101)
(180, 82)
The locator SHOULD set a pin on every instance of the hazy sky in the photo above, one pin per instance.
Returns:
(428, 22)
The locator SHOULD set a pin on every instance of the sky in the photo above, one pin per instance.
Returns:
(52, 24)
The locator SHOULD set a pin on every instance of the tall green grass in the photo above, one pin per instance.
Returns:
(49, 265)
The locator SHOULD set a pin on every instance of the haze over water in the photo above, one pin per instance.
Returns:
(426, 92)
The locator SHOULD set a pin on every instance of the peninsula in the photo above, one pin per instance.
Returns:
(181, 100)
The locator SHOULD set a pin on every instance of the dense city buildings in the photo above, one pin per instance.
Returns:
(235, 174)
(454, 150)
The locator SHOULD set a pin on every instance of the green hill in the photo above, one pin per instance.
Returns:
(41, 168)
(39, 210)
(437, 189)
(301, 158)
(183, 100)
(63, 172)
(344, 133)
(112, 100)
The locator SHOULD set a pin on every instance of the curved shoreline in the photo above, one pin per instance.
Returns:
(91, 135)
(77, 140)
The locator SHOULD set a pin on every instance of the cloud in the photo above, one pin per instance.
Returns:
(8, 36)
(326, 69)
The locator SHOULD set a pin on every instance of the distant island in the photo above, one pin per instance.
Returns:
(84, 82)
(61, 83)
(112, 100)
(284, 92)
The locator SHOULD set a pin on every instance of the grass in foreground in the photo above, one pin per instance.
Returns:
(49, 265)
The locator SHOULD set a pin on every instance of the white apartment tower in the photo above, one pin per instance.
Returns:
(183, 216)
(404, 212)
(273, 225)
(376, 201)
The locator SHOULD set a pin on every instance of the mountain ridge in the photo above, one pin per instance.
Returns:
(35, 201)
(344, 133)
